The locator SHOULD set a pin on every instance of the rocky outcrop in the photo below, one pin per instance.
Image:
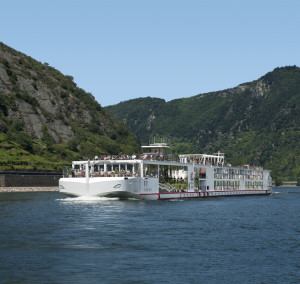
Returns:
(38, 100)
(41, 97)
(35, 102)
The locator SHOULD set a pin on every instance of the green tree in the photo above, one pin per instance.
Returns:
(25, 141)
(278, 181)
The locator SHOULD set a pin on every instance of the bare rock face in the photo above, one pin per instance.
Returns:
(33, 122)
(46, 120)
(60, 131)
(26, 85)
(42, 97)
(3, 78)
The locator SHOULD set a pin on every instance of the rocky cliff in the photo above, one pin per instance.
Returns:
(44, 113)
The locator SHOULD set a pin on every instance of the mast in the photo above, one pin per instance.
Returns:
(87, 177)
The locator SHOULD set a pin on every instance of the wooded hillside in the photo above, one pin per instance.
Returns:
(256, 123)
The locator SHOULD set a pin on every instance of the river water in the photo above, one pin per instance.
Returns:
(47, 237)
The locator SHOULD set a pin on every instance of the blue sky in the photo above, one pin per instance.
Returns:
(124, 49)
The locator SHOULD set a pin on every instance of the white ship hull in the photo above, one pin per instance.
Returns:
(108, 186)
(135, 188)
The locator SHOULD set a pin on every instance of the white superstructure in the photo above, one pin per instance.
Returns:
(157, 175)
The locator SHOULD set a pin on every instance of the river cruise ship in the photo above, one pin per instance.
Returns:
(156, 175)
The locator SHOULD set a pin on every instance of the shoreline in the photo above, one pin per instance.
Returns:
(29, 189)
(56, 188)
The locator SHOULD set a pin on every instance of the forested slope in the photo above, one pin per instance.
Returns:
(255, 123)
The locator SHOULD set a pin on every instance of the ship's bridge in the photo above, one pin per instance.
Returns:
(161, 148)
(203, 159)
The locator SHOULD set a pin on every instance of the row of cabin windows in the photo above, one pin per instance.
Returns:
(223, 173)
(235, 185)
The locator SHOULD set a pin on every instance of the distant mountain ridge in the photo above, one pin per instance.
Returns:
(47, 121)
(254, 123)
